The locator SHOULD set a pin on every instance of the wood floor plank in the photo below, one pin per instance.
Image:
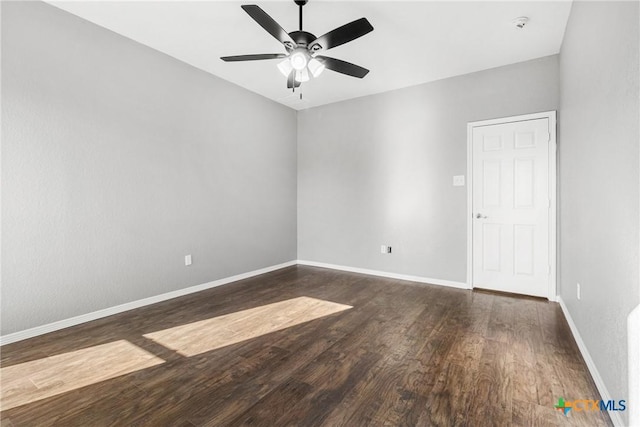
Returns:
(549, 386)
(527, 342)
(493, 389)
(272, 351)
(274, 405)
(449, 400)
(527, 414)
(36, 380)
(6, 422)
(99, 404)
(221, 331)
(343, 371)
(412, 376)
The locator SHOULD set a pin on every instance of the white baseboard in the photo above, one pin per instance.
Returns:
(593, 370)
(440, 282)
(61, 324)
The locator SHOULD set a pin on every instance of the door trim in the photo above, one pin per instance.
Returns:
(551, 115)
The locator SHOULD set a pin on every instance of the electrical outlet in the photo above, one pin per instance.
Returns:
(388, 249)
(578, 291)
(187, 260)
(383, 249)
(458, 181)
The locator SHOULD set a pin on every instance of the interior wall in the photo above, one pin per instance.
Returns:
(118, 160)
(378, 170)
(599, 194)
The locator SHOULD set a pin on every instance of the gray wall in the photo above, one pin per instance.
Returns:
(378, 169)
(118, 160)
(599, 140)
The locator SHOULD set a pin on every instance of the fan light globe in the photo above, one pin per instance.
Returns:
(285, 67)
(302, 76)
(316, 67)
(298, 61)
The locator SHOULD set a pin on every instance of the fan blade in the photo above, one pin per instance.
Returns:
(342, 35)
(343, 67)
(267, 22)
(256, 57)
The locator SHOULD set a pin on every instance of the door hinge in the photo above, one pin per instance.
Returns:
(548, 269)
(548, 136)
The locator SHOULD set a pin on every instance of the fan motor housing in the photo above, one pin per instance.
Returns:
(302, 38)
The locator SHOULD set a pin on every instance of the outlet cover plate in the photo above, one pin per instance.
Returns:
(458, 181)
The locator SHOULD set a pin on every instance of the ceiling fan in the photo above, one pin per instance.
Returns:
(302, 58)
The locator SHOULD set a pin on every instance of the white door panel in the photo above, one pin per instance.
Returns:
(510, 199)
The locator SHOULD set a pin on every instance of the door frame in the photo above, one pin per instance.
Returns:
(553, 166)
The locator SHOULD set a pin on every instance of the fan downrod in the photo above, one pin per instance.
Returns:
(300, 3)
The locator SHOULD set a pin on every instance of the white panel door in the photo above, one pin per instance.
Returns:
(510, 205)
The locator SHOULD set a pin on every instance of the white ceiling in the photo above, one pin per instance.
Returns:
(413, 42)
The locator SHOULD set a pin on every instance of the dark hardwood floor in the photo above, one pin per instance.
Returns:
(405, 354)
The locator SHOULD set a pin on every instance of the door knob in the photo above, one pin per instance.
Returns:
(479, 216)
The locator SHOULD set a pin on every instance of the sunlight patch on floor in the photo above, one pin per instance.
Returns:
(39, 379)
(209, 334)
